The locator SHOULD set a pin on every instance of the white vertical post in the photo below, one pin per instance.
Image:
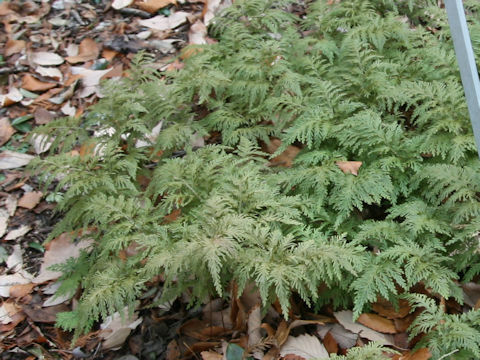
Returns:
(466, 62)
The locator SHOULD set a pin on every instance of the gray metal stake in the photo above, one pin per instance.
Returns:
(466, 62)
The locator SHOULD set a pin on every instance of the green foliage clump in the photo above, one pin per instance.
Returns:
(374, 81)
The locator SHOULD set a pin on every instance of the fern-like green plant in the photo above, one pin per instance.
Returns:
(373, 81)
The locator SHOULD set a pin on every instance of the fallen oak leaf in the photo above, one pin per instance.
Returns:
(349, 167)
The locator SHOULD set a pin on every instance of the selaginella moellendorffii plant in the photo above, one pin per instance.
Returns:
(374, 81)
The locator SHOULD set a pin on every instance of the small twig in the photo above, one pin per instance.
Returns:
(13, 70)
(450, 353)
(135, 12)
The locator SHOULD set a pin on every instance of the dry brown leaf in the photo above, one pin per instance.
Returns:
(330, 343)
(43, 116)
(46, 315)
(21, 290)
(109, 54)
(211, 355)
(173, 351)
(349, 167)
(6, 130)
(14, 47)
(87, 50)
(420, 354)
(30, 200)
(285, 158)
(46, 58)
(32, 84)
(386, 309)
(378, 323)
(163, 23)
(403, 324)
(59, 250)
(152, 6)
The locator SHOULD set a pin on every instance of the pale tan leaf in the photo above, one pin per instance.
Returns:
(12, 160)
(349, 167)
(116, 328)
(46, 58)
(306, 346)
(18, 233)
(58, 251)
(254, 323)
(345, 318)
(3, 221)
(197, 33)
(345, 338)
(163, 23)
(120, 4)
(211, 8)
(49, 72)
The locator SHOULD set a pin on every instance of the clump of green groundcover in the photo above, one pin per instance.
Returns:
(371, 81)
